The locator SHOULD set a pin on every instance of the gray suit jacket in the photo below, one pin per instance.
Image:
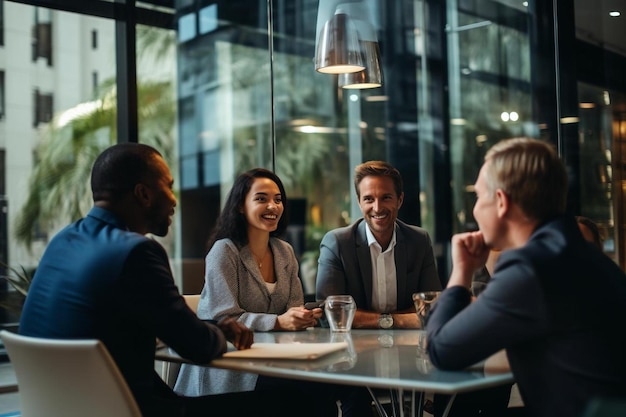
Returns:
(235, 288)
(345, 266)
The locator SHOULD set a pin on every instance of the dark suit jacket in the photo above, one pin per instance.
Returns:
(97, 280)
(345, 264)
(557, 306)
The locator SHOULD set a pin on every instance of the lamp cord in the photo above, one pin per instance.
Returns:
(270, 34)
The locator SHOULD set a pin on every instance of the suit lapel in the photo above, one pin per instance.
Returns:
(400, 257)
(365, 261)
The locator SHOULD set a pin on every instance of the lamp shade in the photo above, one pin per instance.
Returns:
(338, 49)
(371, 76)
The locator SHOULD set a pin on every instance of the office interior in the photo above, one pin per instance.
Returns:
(220, 87)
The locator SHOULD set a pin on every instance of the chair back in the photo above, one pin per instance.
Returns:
(170, 370)
(192, 301)
(68, 378)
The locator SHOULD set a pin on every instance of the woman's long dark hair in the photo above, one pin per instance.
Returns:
(232, 222)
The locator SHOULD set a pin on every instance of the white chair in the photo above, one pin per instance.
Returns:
(170, 370)
(68, 378)
(192, 301)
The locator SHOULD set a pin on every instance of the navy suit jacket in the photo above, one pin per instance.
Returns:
(98, 280)
(345, 264)
(557, 306)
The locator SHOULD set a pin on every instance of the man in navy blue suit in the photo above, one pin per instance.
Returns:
(102, 278)
(555, 302)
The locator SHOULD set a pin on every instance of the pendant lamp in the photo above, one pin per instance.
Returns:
(338, 50)
(371, 76)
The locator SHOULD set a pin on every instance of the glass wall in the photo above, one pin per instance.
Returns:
(219, 92)
(456, 79)
(58, 69)
(489, 64)
(58, 72)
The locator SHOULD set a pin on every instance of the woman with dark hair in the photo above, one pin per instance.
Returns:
(233, 224)
(251, 275)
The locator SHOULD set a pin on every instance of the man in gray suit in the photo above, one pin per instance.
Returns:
(379, 260)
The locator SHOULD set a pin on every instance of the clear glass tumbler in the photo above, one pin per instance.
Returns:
(423, 303)
(340, 311)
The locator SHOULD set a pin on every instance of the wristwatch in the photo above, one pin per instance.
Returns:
(385, 321)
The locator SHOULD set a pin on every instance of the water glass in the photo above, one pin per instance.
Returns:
(423, 303)
(340, 311)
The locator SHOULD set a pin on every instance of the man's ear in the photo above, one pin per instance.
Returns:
(503, 203)
(143, 195)
(401, 200)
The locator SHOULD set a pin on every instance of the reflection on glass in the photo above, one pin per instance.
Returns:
(422, 361)
(385, 340)
(349, 357)
(387, 362)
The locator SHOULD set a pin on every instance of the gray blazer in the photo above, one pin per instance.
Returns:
(345, 265)
(235, 288)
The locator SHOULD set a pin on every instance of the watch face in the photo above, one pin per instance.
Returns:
(385, 321)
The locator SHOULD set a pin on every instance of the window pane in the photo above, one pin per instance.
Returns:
(157, 111)
(51, 136)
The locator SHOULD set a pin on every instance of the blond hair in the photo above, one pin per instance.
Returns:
(531, 174)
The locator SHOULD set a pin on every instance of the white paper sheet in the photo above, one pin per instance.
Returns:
(287, 350)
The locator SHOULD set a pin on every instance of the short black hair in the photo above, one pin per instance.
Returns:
(119, 168)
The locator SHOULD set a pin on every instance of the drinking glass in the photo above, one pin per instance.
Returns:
(423, 303)
(340, 311)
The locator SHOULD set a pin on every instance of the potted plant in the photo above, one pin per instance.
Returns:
(13, 293)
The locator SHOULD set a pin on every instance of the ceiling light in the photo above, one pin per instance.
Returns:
(338, 49)
(569, 120)
(376, 98)
(614, 13)
(372, 75)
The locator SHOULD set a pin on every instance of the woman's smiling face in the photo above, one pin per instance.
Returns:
(263, 206)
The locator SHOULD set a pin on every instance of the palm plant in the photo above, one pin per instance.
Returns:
(59, 190)
(19, 280)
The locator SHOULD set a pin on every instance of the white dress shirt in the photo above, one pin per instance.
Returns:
(384, 283)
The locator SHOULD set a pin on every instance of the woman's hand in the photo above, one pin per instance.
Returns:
(298, 318)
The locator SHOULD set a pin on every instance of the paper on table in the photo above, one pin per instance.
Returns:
(287, 350)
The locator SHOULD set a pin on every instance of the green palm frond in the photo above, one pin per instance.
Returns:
(18, 279)
(59, 186)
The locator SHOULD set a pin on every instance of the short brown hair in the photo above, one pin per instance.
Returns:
(377, 169)
(531, 173)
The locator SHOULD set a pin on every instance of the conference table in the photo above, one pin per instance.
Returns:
(393, 360)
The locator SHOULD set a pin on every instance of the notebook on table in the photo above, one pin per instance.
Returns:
(287, 350)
